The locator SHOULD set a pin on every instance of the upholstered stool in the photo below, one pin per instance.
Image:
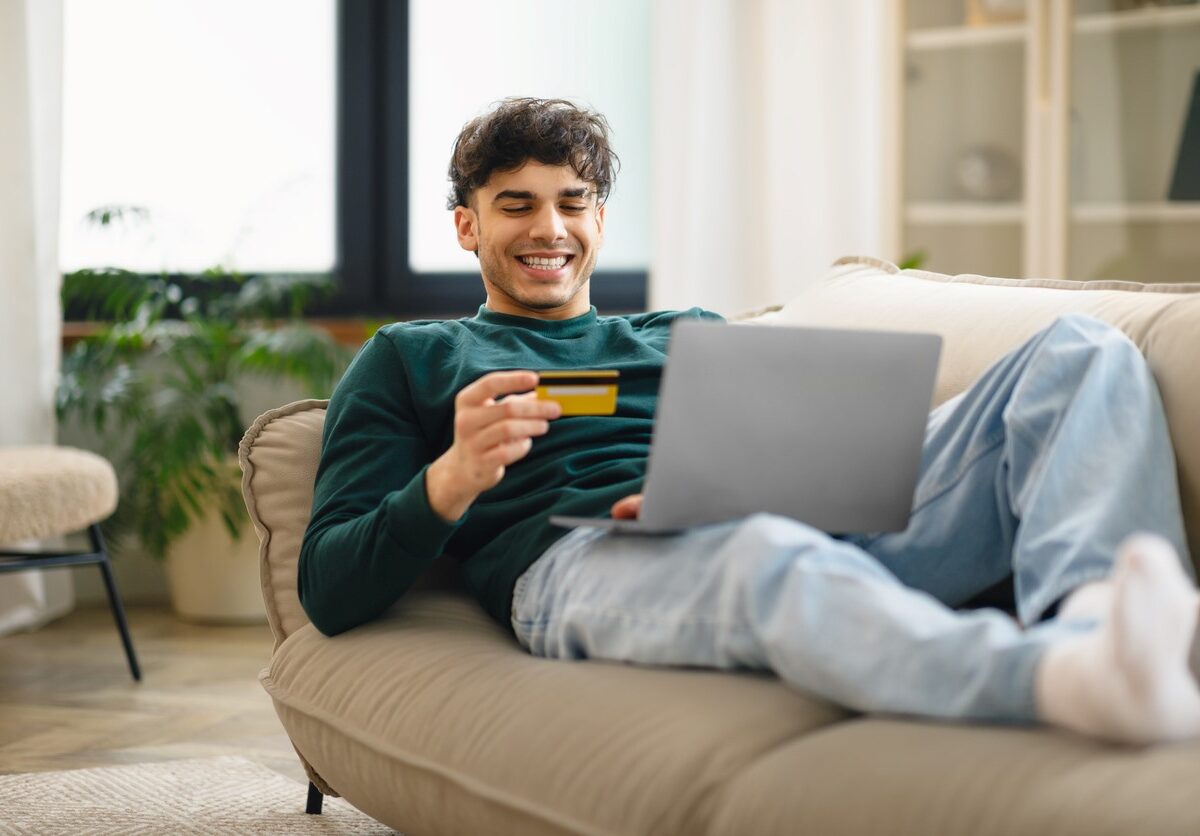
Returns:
(48, 491)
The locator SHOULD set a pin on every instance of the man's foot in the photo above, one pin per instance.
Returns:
(1135, 678)
(1091, 601)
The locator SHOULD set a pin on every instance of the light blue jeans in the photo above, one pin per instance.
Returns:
(1037, 473)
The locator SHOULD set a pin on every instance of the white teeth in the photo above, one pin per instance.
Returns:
(544, 263)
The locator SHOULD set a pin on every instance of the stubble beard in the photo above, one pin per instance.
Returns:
(499, 275)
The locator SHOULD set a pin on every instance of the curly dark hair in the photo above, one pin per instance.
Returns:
(550, 131)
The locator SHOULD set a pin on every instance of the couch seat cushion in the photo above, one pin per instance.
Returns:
(874, 775)
(434, 720)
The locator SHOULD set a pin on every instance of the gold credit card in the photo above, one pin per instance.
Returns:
(580, 392)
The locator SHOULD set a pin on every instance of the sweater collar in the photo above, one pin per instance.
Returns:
(572, 327)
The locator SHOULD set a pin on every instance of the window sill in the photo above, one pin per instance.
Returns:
(351, 332)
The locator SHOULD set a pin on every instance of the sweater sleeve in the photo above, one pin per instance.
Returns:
(372, 533)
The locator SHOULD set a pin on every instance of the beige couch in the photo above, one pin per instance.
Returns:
(432, 720)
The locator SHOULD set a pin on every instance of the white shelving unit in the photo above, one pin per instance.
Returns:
(1086, 99)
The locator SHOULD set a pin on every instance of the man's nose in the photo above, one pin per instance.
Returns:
(548, 225)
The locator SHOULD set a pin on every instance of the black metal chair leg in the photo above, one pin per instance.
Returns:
(114, 600)
(315, 800)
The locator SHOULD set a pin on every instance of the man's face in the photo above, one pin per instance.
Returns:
(537, 231)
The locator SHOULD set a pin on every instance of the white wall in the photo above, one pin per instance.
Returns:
(767, 146)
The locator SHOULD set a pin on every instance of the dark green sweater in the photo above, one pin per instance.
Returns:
(372, 532)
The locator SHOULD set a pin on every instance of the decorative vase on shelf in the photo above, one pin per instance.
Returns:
(985, 172)
(988, 12)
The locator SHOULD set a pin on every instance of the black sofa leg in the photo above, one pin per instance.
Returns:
(114, 600)
(315, 800)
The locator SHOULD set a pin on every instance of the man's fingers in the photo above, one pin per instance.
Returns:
(506, 432)
(493, 385)
(505, 454)
(629, 508)
(495, 419)
(473, 419)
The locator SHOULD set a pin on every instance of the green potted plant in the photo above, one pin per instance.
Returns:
(157, 382)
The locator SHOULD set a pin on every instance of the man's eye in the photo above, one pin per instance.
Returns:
(574, 207)
(514, 210)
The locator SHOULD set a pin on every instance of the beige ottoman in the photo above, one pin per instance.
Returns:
(48, 491)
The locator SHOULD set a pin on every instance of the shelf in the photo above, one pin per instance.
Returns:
(1165, 211)
(959, 37)
(961, 213)
(962, 37)
(1154, 17)
(964, 212)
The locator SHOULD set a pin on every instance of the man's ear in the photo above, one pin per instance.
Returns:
(600, 220)
(466, 225)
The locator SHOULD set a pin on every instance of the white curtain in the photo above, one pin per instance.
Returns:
(767, 147)
(30, 140)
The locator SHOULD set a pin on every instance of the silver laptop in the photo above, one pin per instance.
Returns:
(822, 425)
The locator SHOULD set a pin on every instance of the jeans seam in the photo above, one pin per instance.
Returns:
(1068, 584)
(991, 441)
(1026, 435)
(1029, 700)
(634, 617)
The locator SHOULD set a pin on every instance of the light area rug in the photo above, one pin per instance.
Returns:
(220, 795)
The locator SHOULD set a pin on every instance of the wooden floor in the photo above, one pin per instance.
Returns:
(67, 700)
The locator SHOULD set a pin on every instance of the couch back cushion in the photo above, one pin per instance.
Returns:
(982, 318)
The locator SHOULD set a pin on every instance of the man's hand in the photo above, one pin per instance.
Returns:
(629, 508)
(489, 435)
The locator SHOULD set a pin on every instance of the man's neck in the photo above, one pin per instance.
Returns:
(568, 311)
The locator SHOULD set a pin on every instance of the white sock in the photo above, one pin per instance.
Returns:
(1091, 601)
(1129, 680)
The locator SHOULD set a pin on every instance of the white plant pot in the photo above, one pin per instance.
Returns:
(214, 578)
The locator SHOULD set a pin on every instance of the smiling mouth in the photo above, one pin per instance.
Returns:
(542, 263)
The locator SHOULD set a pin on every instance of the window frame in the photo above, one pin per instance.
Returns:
(372, 183)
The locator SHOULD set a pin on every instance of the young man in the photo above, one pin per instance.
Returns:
(1040, 472)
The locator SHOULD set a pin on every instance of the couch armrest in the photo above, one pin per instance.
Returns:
(279, 455)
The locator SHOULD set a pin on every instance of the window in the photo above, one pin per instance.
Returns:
(413, 72)
(213, 120)
(314, 135)
(465, 55)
